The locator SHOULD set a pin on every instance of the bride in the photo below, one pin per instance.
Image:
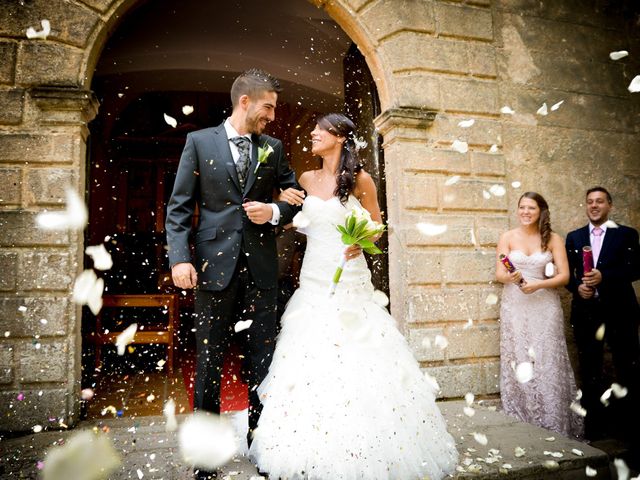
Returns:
(344, 398)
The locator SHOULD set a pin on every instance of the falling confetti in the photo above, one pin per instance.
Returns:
(634, 86)
(486, 195)
(431, 229)
(87, 290)
(468, 398)
(493, 149)
(618, 55)
(507, 110)
(600, 332)
(37, 428)
(469, 412)
(524, 372)
(42, 34)
(441, 342)
(74, 217)
(543, 110)
(618, 390)
(426, 342)
(578, 409)
(460, 146)
(169, 411)
(242, 325)
(170, 121)
(516, 184)
(452, 180)
(466, 123)
(491, 299)
(101, 258)
(85, 455)
(206, 441)
(187, 110)
(556, 106)
(86, 394)
(497, 190)
(126, 337)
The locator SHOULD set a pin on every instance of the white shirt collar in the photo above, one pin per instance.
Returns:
(603, 227)
(232, 132)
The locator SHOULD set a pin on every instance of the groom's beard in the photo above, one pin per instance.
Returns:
(255, 123)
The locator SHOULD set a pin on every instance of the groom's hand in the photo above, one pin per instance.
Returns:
(258, 212)
(184, 275)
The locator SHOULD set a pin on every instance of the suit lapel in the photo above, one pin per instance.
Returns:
(585, 241)
(222, 144)
(251, 175)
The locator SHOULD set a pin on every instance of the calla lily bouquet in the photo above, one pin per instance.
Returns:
(263, 154)
(358, 229)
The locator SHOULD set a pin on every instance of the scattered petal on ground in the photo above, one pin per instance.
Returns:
(577, 452)
(519, 452)
(481, 438)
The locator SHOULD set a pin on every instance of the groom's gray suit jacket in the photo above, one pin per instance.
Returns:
(207, 178)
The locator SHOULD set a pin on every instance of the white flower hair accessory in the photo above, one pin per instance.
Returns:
(359, 142)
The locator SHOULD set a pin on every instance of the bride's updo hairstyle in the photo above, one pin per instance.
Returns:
(544, 222)
(341, 126)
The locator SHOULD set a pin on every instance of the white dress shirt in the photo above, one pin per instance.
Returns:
(231, 133)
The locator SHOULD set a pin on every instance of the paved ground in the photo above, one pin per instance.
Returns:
(148, 452)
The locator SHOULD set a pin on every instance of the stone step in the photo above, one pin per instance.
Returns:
(145, 447)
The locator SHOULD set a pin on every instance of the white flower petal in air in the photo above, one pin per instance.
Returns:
(491, 299)
(426, 343)
(578, 409)
(532, 353)
(610, 224)
(550, 270)
(604, 398)
(524, 372)
(634, 86)
(380, 298)
(169, 411)
(431, 229)
(497, 190)
(468, 398)
(460, 146)
(507, 110)
(618, 390)
(493, 148)
(590, 472)
(516, 184)
(74, 217)
(441, 342)
(469, 412)
(187, 109)
(86, 455)
(469, 324)
(600, 332)
(87, 290)
(481, 438)
(556, 106)
(433, 383)
(301, 220)
(126, 337)
(486, 195)
(86, 394)
(618, 55)
(101, 258)
(621, 469)
(466, 123)
(579, 394)
(543, 110)
(242, 325)
(42, 34)
(207, 441)
(519, 452)
(170, 121)
(452, 180)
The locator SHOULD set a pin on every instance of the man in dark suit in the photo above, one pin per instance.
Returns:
(230, 173)
(605, 297)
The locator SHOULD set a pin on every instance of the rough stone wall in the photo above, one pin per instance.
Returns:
(435, 62)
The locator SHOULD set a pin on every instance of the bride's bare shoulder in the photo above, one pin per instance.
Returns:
(306, 178)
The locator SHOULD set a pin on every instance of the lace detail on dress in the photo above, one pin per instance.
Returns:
(536, 321)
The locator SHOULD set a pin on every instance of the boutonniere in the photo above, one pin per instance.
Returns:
(263, 154)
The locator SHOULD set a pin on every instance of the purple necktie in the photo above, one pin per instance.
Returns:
(596, 243)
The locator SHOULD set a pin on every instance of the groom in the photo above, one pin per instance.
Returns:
(230, 173)
(605, 297)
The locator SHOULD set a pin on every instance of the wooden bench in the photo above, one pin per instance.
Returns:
(168, 301)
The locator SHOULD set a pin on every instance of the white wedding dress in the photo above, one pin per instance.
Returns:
(344, 397)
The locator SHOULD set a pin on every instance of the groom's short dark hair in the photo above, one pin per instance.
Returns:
(600, 189)
(253, 82)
